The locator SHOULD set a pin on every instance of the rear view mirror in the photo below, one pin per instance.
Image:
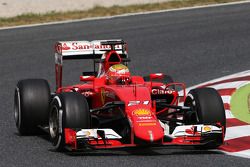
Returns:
(87, 78)
(156, 76)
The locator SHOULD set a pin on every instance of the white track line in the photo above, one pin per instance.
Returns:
(226, 99)
(237, 132)
(229, 114)
(229, 85)
(236, 75)
(128, 14)
(244, 153)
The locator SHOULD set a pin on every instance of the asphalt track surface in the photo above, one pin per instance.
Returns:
(192, 45)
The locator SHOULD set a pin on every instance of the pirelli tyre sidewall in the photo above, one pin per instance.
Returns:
(207, 108)
(55, 122)
(31, 105)
(67, 110)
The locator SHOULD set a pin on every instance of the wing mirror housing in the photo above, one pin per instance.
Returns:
(87, 78)
(156, 76)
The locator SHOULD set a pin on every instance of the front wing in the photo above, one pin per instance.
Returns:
(187, 135)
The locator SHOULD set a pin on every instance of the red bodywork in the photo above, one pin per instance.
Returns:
(140, 108)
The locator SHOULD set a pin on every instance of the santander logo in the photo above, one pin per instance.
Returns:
(81, 46)
(86, 46)
(65, 47)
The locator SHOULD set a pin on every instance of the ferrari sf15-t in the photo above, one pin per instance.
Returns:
(110, 108)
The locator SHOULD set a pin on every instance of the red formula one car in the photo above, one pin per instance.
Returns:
(110, 108)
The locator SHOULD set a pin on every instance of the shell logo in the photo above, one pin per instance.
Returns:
(86, 133)
(207, 129)
(142, 112)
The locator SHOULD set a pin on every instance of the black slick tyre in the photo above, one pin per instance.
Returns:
(206, 108)
(67, 110)
(31, 105)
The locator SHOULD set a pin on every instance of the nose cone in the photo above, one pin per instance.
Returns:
(148, 131)
(146, 125)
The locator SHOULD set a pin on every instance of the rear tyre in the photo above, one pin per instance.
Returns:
(67, 110)
(207, 108)
(31, 104)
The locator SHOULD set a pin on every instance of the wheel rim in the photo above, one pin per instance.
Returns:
(17, 108)
(54, 123)
(193, 116)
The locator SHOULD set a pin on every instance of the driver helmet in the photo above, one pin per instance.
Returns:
(118, 74)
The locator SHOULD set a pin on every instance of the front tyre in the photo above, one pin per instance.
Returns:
(206, 108)
(67, 110)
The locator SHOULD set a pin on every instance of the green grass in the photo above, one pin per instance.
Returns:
(101, 11)
(240, 104)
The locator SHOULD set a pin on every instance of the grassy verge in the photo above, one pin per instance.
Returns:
(240, 106)
(101, 11)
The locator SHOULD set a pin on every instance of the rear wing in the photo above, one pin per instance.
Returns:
(88, 49)
(85, 50)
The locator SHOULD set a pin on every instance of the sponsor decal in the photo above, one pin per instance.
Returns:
(142, 112)
(151, 135)
(87, 93)
(76, 46)
(98, 46)
(147, 124)
(192, 130)
(133, 103)
(86, 133)
(86, 46)
(161, 92)
(145, 102)
(145, 118)
(58, 48)
(207, 128)
(65, 47)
